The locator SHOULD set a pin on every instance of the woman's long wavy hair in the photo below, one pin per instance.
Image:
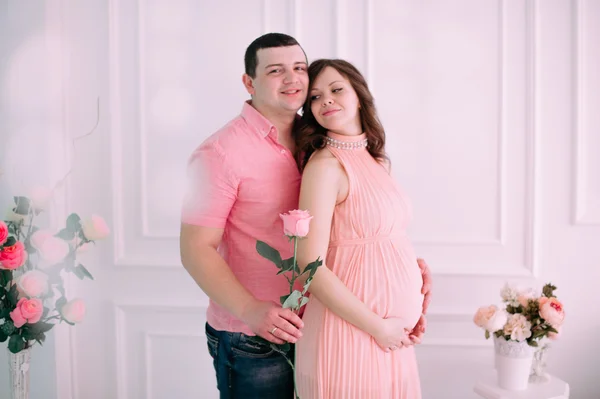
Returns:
(310, 136)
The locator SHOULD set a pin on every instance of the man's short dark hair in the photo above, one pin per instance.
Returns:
(268, 40)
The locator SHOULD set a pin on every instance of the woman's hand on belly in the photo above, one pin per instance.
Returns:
(391, 334)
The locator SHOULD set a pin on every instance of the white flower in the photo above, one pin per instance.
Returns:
(33, 283)
(490, 318)
(510, 295)
(497, 321)
(12, 216)
(517, 327)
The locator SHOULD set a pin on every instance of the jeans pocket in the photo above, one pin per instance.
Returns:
(213, 344)
(247, 347)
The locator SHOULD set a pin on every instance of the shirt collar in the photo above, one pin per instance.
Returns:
(256, 120)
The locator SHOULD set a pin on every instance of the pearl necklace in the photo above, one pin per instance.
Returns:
(346, 145)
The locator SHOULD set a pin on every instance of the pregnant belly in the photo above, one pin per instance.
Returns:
(388, 281)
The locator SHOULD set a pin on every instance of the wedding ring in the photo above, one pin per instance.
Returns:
(273, 330)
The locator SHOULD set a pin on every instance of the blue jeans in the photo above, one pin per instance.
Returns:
(248, 370)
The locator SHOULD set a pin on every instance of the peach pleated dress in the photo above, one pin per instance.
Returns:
(371, 254)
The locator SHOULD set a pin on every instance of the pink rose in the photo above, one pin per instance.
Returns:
(3, 232)
(296, 223)
(33, 283)
(27, 311)
(95, 228)
(73, 311)
(13, 257)
(38, 238)
(53, 250)
(552, 311)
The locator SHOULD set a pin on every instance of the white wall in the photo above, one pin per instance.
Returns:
(490, 109)
(31, 147)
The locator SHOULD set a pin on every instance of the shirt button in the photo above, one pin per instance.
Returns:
(283, 151)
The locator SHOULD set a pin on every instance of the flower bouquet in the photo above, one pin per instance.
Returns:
(33, 262)
(519, 327)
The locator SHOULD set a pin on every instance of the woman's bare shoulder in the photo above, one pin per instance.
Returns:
(323, 162)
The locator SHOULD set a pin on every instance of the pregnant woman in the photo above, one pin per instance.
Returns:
(367, 298)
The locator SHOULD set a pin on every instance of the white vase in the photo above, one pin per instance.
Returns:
(513, 363)
(18, 368)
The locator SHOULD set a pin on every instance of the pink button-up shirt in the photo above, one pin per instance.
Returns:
(241, 179)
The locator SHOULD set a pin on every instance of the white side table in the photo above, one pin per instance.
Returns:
(554, 388)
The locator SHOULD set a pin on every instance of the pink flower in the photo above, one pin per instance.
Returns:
(53, 250)
(13, 257)
(296, 223)
(490, 318)
(37, 239)
(73, 311)
(552, 311)
(95, 228)
(3, 232)
(27, 311)
(34, 283)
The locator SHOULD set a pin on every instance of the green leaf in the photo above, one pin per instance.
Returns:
(548, 290)
(3, 337)
(283, 298)
(65, 234)
(16, 343)
(41, 338)
(312, 267)
(61, 289)
(73, 223)
(304, 301)
(552, 329)
(487, 334)
(13, 296)
(307, 285)
(268, 252)
(86, 272)
(5, 277)
(292, 301)
(40, 327)
(10, 241)
(533, 343)
(288, 264)
(60, 302)
(23, 205)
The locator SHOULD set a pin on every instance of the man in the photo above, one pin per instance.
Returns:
(242, 178)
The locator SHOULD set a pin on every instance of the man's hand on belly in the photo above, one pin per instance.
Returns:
(426, 289)
(416, 335)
